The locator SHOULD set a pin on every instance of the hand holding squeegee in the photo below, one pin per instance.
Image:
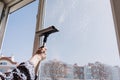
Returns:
(46, 32)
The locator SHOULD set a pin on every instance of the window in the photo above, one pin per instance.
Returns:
(3, 63)
(87, 33)
(2, 70)
(86, 36)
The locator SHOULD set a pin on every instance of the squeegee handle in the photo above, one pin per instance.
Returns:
(43, 45)
(45, 40)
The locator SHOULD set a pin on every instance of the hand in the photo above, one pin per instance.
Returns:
(41, 52)
(38, 56)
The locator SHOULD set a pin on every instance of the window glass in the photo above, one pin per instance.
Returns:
(86, 32)
(86, 36)
(19, 34)
(86, 39)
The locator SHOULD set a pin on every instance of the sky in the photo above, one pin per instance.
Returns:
(86, 32)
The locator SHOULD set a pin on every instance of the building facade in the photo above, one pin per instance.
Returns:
(7, 64)
(115, 73)
(57, 70)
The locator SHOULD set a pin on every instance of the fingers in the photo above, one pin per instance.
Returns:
(41, 50)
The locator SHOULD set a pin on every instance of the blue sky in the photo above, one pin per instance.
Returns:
(86, 32)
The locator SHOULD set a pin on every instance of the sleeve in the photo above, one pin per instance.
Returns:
(25, 71)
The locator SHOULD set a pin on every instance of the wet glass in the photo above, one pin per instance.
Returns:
(86, 37)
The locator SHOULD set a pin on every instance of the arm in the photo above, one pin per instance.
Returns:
(26, 70)
(38, 57)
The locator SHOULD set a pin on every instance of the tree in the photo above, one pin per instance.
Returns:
(76, 71)
(98, 71)
(55, 69)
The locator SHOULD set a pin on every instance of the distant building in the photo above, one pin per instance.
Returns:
(57, 70)
(98, 71)
(7, 64)
(78, 72)
(115, 73)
